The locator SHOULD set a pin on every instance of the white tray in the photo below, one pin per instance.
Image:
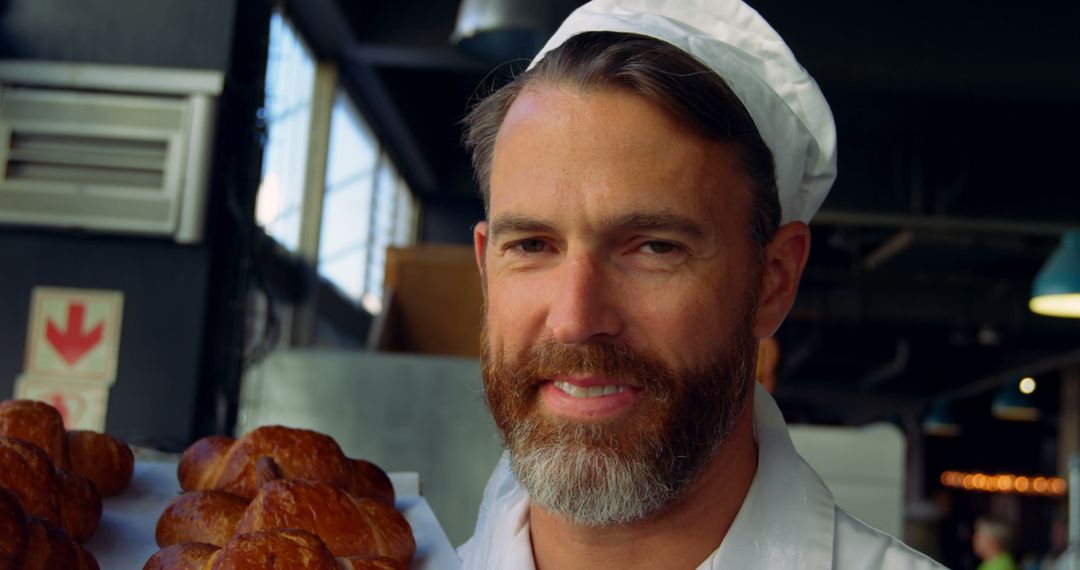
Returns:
(125, 539)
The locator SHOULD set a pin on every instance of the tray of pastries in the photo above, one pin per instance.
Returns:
(277, 497)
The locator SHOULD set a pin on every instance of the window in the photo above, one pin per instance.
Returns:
(367, 207)
(290, 81)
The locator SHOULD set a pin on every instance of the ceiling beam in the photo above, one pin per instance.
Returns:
(941, 224)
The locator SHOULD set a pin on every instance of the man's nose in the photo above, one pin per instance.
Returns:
(584, 306)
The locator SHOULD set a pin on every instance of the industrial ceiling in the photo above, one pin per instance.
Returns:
(957, 127)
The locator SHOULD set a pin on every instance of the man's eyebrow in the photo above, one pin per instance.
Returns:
(675, 223)
(512, 223)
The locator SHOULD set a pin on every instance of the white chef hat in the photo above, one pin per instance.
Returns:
(734, 40)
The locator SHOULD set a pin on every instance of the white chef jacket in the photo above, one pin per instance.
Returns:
(787, 521)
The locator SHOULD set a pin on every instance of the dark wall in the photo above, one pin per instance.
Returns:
(449, 217)
(164, 295)
(182, 319)
(165, 33)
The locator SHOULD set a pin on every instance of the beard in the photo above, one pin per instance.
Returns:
(622, 470)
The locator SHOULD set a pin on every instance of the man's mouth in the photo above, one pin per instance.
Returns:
(575, 391)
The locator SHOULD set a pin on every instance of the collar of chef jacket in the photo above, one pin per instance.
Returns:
(786, 521)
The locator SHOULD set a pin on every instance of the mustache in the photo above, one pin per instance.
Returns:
(610, 360)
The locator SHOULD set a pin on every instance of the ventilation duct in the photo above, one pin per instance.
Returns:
(107, 148)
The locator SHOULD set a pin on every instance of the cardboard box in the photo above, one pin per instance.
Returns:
(432, 302)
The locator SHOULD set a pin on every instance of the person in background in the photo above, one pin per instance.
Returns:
(991, 543)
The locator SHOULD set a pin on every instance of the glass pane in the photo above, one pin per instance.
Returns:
(383, 230)
(352, 146)
(346, 213)
(290, 76)
(286, 229)
(346, 272)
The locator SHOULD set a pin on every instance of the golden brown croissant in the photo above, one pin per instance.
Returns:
(38, 423)
(99, 457)
(200, 516)
(187, 556)
(348, 525)
(59, 497)
(28, 543)
(275, 452)
(285, 549)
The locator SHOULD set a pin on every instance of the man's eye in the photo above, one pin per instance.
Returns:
(658, 247)
(531, 245)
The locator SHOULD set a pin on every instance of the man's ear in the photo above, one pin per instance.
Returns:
(785, 259)
(479, 249)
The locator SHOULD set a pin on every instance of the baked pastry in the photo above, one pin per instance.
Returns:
(99, 457)
(200, 516)
(187, 556)
(80, 505)
(40, 424)
(284, 549)
(12, 530)
(48, 547)
(275, 452)
(59, 497)
(28, 543)
(348, 525)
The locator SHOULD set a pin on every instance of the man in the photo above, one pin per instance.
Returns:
(632, 256)
(991, 542)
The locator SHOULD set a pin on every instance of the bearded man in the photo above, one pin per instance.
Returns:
(646, 185)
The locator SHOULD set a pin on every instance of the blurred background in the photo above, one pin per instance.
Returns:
(278, 191)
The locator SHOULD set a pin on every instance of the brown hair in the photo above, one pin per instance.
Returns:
(656, 70)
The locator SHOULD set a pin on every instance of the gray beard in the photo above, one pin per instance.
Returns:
(616, 474)
(591, 486)
(628, 469)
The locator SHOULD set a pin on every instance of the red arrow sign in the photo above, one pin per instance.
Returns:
(72, 344)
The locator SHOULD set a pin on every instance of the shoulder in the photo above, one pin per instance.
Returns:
(860, 546)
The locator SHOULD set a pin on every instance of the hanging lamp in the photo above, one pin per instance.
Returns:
(1056, 290)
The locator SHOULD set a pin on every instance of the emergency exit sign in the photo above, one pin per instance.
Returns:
(74, 334)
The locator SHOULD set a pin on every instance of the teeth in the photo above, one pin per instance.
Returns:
(592, 392)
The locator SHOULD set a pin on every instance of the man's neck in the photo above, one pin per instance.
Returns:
(680, 537)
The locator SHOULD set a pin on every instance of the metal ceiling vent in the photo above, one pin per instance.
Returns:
(112, 148)
(503, 30)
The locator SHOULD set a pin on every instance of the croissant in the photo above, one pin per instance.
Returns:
(200, 516)
(38, 423)
(59, 497)
(348, 525)
(99, 457)
(275, 452)
(285, 549)
(28, 543)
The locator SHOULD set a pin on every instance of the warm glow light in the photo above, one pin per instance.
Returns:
(1027, 385)
(1004, 483)
(1064, 305)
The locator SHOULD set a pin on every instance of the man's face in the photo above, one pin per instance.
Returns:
(620, 287)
